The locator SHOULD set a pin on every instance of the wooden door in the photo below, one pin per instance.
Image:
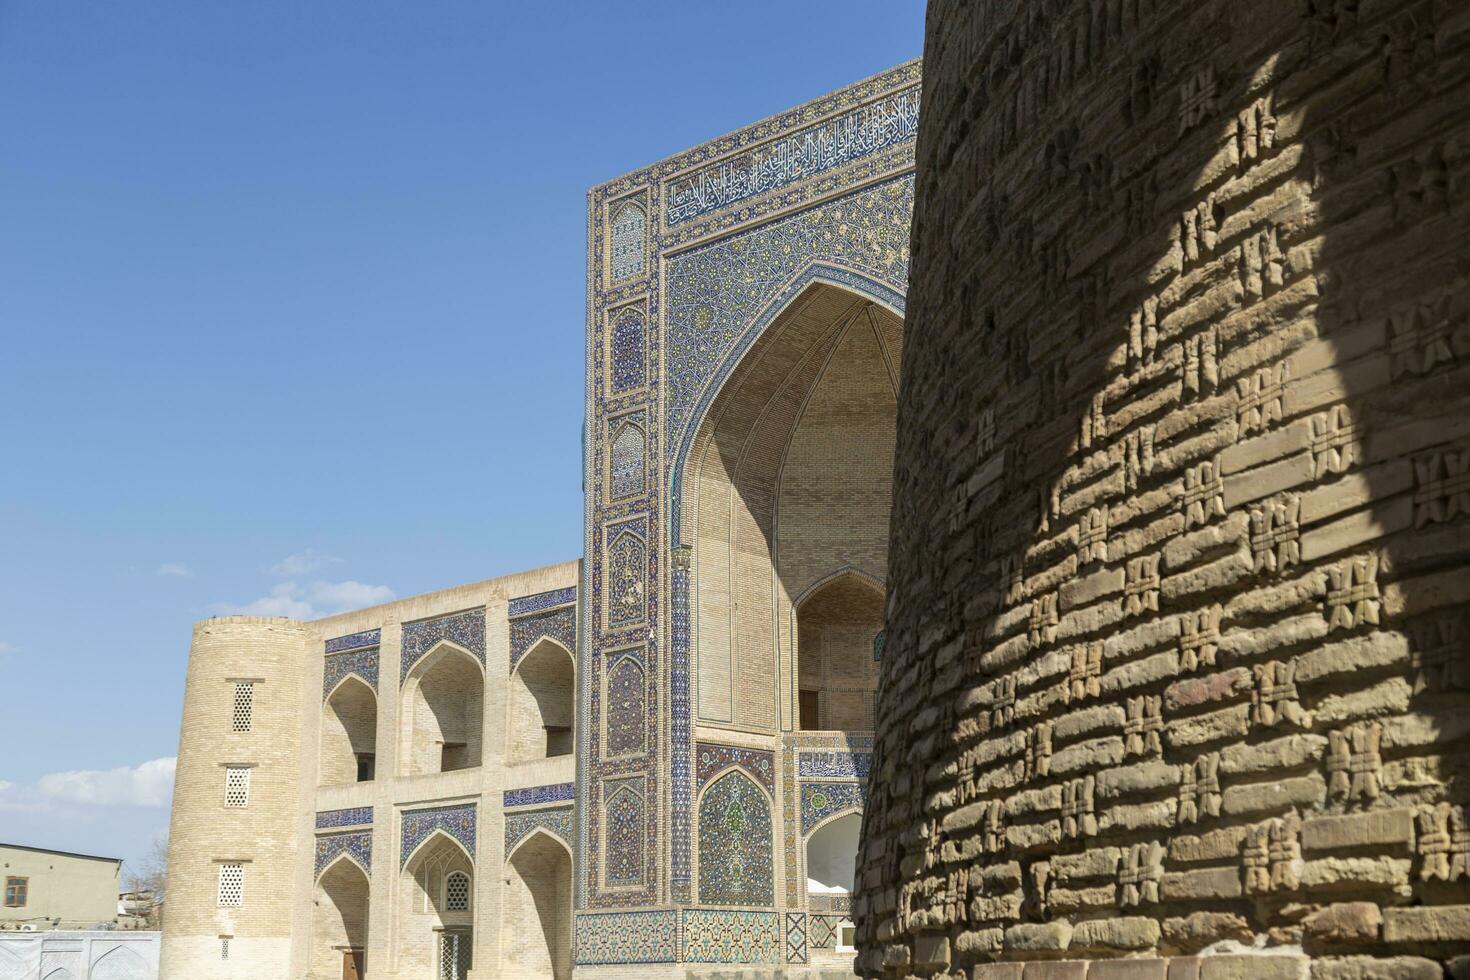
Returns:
(352, 964)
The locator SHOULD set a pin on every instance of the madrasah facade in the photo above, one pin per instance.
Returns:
(650, 762)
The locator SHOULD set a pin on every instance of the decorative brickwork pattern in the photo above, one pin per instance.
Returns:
(519, 826)
(419, 825)
(1179, 498)
(357, 844)
(525, 631)
(465, 630)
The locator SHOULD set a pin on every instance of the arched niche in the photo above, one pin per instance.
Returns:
(541, 703)
(837, 625)
(444, 704)
(537, 909)
(736, 865)
(431, 925)
(339, 928)
(349, 738)
(787, 480)
(120, 963)
(831, 855)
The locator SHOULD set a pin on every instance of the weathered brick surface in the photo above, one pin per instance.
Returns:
(1189, 292)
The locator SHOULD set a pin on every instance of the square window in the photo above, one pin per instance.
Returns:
(15, 892)
(231, 885)
(237, 786)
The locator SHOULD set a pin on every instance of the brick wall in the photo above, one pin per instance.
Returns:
(1177, 656)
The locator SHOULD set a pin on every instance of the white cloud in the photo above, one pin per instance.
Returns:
(150, 784)
(313, 600)
(6, 648)
(175, 570)
(304, 563)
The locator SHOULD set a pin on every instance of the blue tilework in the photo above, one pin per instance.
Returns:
(879, 639)
(466, 629)
(735, 862)
(623, 809)
(723, 936)
(354, 641)
(714, 758)
(628, 458)
(559, 624)
(681, 775)
(531, 795)
(352, 817)
(629, 351)
(626, 706)
(418, 825)
(611, 938)
(629, 240)
(541, 600)
(358, 844)
(519, 826)
(627, 572)
(796, 156)
(824, 932)
(821, 800)
(362, 663)
(835, 765)
(795, 937)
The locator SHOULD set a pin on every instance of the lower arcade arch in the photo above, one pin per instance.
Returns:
(536, 928)
(435, 910)
(339, 926)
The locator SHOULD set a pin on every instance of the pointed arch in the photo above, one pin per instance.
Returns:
(60, 973)
(340, 914)
(736, 864)
(625, 709)
(627, 459)
(627, 574)
(350, 859)
(120, 963)
(423, 912)
(537, 908)
(349, 733)
(838, 621)
(541, 703)
(435, 838)
(442, 718)
(625, 847)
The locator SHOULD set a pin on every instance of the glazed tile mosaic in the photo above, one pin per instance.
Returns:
(714, 759)
(352, 817)
(735, 866)
(627, 560)
(820, 800)
(526, 605)
(354, 641)
(626, 937)
(357, 844)
(628, 458)
(362, 663)
(532, 795)
(625, 706)
(725, 936)
(518, 826)
(418, 825)
(823, 933)
(681, 776)
(835, 765)
(629, 353)
(466, 629)
(795, 937)
(623, 809)
(525, 631)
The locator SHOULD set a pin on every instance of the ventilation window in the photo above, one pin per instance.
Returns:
(244, 713)
(457, 892)
(224, 947)
(237, 786)
(231, 885)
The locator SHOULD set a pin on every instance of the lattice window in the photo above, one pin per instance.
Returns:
(231, 885)
(457, 892)
(224, 947)
(244, 713)
(237, 786)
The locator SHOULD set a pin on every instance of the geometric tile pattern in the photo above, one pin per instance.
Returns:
(560, 625)
(358, 844)
(626, 937)
(625, 707)
(541, 600)
(352, 817)
(714, 759)
(823, 933)
(795, 937)
(519, 825)
(735, 866)
(835, 765)
(622, 809)
(466, 629)
(627, 562)
(821, 800)
(723, 936)
(626, 478)
(355, 641)
(531, 795)
(362, 663)
(457, 821)
(628, 351)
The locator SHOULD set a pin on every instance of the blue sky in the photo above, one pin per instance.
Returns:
(291, 302)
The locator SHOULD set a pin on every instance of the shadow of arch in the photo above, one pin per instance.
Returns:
(542, 703)
(349, 733)
(538, 907)
(443, 701)
(1195, 277)
(340, 915)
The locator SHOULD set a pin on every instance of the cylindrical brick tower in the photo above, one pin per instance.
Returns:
(233, 841)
